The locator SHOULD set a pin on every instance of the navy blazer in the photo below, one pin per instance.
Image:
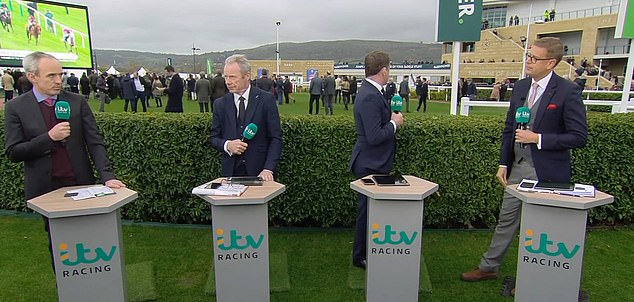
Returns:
(265, 148)
(376, 140)
(26, 140)
(561, 120)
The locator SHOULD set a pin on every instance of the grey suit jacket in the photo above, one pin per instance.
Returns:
(26, 140)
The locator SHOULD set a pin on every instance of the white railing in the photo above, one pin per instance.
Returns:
(466, 104)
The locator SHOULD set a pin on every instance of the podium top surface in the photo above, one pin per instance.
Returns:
(55, 205)
(253, 194)
(561, 201)
(418, 189)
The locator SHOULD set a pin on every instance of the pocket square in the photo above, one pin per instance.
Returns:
(551, 107)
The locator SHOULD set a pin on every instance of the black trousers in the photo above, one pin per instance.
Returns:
(314, 98)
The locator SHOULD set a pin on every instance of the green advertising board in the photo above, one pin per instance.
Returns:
(458, 20)
(625, 23)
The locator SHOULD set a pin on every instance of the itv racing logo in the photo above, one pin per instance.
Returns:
(547, 253)
(391, 242)
(84, 257)
(238, 243)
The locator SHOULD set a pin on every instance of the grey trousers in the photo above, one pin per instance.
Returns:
(508, 221)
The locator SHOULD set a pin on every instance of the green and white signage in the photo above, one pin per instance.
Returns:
(625, 23)
(459, 20)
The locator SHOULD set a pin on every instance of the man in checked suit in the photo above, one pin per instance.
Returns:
(245, 104)
(557, 124)
(374, 150)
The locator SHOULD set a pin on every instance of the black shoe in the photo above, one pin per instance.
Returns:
(361, 264)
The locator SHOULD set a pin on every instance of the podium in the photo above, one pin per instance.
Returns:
(395, 223)
(86, 242)
(552, 237)
(241, 242)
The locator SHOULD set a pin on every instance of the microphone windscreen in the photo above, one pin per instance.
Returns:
(397, 103)
(250, 131)
(62, 110)
(522, 115)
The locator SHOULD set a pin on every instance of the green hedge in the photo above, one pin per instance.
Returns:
(162, 156)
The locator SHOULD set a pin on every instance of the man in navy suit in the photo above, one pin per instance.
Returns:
(374, 150)
(246, 104)
(557, 124)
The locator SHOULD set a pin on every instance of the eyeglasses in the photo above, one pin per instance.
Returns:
(530, 58)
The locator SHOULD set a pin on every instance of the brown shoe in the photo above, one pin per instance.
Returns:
(478, 275)
(513, 293)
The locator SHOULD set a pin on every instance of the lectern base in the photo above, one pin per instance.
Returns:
(509, 284)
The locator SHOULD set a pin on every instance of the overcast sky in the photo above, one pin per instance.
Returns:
(172, 26)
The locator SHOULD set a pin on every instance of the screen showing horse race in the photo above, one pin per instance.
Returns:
(59, 29)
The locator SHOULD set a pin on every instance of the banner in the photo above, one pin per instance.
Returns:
(210, 64)
(310, 73)
(625, 23)
(458, 20)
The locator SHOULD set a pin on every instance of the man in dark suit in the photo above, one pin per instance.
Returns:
(174, 91)
(557, 124)
(374, 150)
(246, 104)
(315, 89)
(218, 88)
(53, 156)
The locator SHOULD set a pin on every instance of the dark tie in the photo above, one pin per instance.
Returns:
(241, 110)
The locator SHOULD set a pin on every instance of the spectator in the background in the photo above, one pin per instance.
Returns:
(472, 91)
(23, 85)
(288, 89)
(65, 81)
(101, 90)
(353, 88)
(551, 15)
(422, 91)
(265, 83)
(495, 92)
(73, 83)
(329, 93)
(84, 84)
(403, 91)
(203, 91)
(157, 92)
(503, 86)
(7, 84)
(174, 91)
(315, 89)
(139, 85)
(345, 91)
(337, 89)
(390, 89)
(218, 88)
(128, 92)
(279, 89)
(191, 87)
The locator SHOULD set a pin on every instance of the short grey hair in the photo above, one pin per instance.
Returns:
(241, 60)
(32, 60)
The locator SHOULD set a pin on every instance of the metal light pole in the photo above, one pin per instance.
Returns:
(277, 47)
(194, 56)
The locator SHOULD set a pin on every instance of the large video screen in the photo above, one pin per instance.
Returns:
(59, 29)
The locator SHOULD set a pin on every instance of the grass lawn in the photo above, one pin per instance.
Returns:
(318, 262)
(300, 107)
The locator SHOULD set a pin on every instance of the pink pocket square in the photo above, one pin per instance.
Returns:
(551, 107)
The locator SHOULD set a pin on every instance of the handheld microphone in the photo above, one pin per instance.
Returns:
(522, 117)
(249, 132)
(62, 110)
(397, 103)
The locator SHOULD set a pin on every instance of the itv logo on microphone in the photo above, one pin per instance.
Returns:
(242, 246)
(84, 258)
(390, 241)
(545, 252)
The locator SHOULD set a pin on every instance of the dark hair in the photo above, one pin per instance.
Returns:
(553, 46)
(169, 68)
(375, 61)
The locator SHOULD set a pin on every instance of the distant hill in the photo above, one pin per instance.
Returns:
(350, 51)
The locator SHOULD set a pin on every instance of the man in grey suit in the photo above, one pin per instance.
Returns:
(403, 91)
(203, 91)
(329, 92)
(557, 125)
(316, 88)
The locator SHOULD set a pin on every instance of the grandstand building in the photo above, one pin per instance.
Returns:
(586, 28)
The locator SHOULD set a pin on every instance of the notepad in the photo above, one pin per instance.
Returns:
(90, 192)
